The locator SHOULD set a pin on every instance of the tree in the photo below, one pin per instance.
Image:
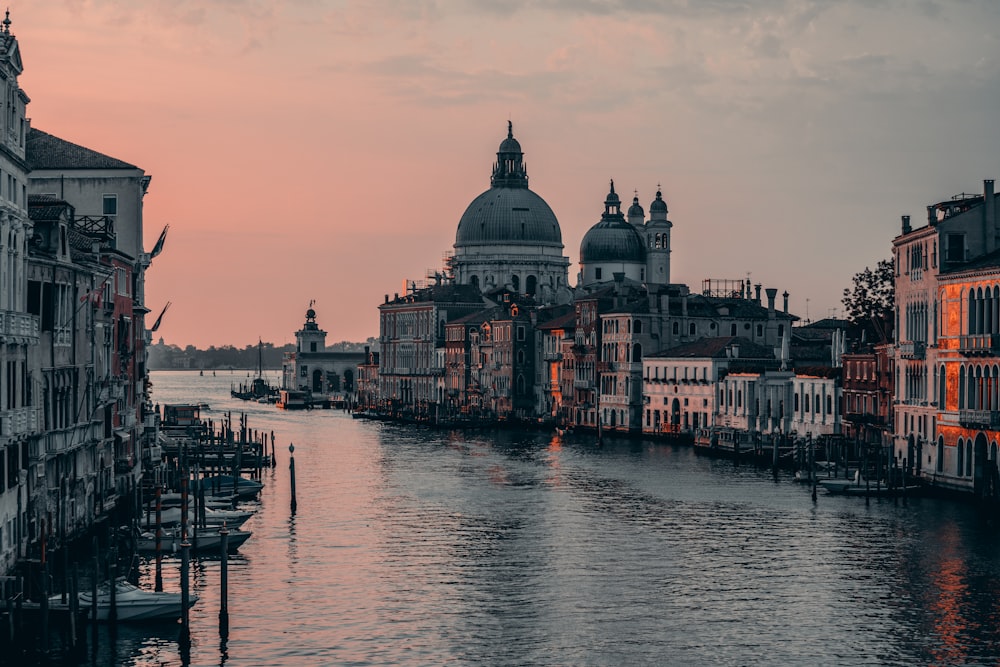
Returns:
(870, 303)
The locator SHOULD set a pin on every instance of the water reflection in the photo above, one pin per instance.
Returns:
(425, 547)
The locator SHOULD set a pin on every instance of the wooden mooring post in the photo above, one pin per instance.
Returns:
(224, 584)
(291, 471)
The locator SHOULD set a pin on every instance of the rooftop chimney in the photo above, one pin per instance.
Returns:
(772, 292)
(906, 221)
(989, 209)
(931, 215)
(757, 290)
(785, 296)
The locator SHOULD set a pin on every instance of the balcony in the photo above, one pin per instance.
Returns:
(859, 418)
(979, 419)
(21, 421)
(913, 350)
(979, 344)
(18, 328)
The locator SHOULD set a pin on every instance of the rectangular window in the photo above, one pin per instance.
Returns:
(956, 247)
(110, 205)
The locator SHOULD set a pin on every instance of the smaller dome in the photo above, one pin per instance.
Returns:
(658, 205)
(510, 144)
(310, 314)
(612, 241)
(635, 209)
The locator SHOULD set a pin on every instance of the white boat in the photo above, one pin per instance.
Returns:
(171, 516)
(133, 603)
(209, 541)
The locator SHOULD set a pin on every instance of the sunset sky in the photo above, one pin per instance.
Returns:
(327, 150)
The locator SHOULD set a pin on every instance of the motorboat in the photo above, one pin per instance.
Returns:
(171, 516)
(209, 541)
(245, 488)
(293, 400)
(133, 603)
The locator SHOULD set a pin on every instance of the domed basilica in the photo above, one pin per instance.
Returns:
(508, 236)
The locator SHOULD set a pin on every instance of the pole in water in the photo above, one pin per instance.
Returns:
(291, 472)
(224, 583)
(185, 635)
(158, 582)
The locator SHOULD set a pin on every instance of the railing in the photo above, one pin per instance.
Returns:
(19, 326)
(913, 350)
(863, 418)
(101, 227)
(979, 418)
(20, 421)
(985, 344)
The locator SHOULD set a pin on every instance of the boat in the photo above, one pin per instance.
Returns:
(847, 487)
(258, 389)
(133, 603)
(171, 516)
(208, 541)
(292, 399)
(245, 488)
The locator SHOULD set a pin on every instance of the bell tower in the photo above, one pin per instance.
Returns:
(658, 242)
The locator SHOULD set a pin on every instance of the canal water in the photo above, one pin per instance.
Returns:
(420, 547)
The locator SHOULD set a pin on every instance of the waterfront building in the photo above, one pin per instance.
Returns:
(816, 399)
(82, 444)
(314, 368)
(680, 385)
(961, 452)
(867, 392)
(644, 320)
(411, 330)
(106, 196)
(556, 330)
(945, 423)
(509, 237)
(367, 393)
(20, 416)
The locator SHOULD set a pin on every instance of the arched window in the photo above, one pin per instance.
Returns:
(816, 404)
(795, 404)
(531, 285)
(940, 453)
(829, 405)
(677, 328)
(972, 313)
(691, 329)
(968, 458)
(515, 282)
(961, 387)
(942, 385)
(636, 353)
(637, 327)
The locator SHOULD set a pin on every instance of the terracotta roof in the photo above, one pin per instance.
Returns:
(567, 321)
(45, 151)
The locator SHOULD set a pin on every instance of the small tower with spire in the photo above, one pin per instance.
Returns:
(658, 242)
(636, 216)
(310, 338)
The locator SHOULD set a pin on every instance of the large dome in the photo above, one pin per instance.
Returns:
(508, 215)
